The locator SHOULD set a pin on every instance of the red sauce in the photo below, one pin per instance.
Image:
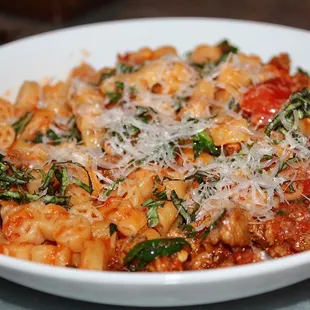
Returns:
(243, 256)
(264, 100)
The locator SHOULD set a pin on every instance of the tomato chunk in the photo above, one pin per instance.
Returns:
(264, 100)
(306, 187)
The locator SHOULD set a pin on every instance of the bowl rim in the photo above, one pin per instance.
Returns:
(273, 266)
(143, 278)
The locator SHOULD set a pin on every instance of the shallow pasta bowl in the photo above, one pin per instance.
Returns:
(52, 55)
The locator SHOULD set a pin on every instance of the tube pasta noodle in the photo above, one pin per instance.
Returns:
(6, 111)
(28, 98)
(7, 136)
(160, 163)
(167, 215)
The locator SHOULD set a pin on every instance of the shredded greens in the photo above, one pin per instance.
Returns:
(113, 228)
(112, 187)
(299, 102)
(145, 252)
(203, 142)
(178, 203)
(152, 214)
(21, 124)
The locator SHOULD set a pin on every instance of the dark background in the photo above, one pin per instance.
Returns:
(20, 18)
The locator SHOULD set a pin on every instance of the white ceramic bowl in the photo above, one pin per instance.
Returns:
(52, 55)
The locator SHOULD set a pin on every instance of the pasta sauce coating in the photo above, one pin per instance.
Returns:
(161, 163)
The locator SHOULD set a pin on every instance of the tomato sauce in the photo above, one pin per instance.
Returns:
(264, 100)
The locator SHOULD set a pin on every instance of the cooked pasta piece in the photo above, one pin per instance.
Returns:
(6, 111)
(7, 136)
(51, 255)
(128, 219)
(167, 215)
(230, 131)
(72, 232)
(94, 255)
(28, 98)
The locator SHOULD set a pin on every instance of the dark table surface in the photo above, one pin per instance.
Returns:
(287, 12)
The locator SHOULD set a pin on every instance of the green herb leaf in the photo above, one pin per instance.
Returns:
(286, 164)
(179, 103)
(145, 252)
(206, 233)
(144, 113)
(38, 137)
(153, 203)
(303, 72)
(112, 187)
(126, 68)
(64, 181)
(300, 102)
(10, 175)
(25, 197)
(226, 49)
(133, 90)
(48, 178)
(199, 176)
(152, 213)
(202, 142)
(160, 195)
(194, 212)
(74, 133)
(152, 216)
(130, 130)
(119, 85)
(113, 228)
(178, 203)
(281, 212)
(105, 75)
(62, 177)
(234, 105)
(21, 124)
(114, 96)
(53, 136)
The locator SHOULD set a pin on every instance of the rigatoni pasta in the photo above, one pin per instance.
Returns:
(160, 163)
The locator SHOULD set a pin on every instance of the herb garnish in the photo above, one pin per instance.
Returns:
(21, 124)
(300, 102)
(126, 68)
(112, 186)
(213, 225)
(116, 95)
(226, 49)
(59, 170)
(72, 134)
(144, 113)
(145, 252)
(202, 142)
(178, 203)
(26, 197)
(281, 212)
(152, 214)
(303, 72)
(113, 228)
(10, 175)
(105, 75)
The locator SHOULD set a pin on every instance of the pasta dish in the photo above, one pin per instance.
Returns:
(161, 163)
